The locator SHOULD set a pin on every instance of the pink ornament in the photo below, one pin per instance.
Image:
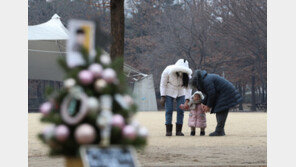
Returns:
(45, 108)
(85, 77)
(118, 121)
(85, 134)
(109, 75)
(129, 132)
(96, 70)
(62, 133)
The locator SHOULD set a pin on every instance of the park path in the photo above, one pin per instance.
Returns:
(244, 145)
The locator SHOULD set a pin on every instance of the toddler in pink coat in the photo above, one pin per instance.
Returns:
(197, 116)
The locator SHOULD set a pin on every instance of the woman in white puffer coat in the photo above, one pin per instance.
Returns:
(174, 85)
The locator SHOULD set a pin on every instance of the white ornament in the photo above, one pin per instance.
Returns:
(143, 132)
(135, 124)
(69, 83)
(100, 84)
(93, 104)
(105, 58)
(48, 132)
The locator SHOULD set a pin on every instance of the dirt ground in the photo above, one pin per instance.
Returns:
(245, 143)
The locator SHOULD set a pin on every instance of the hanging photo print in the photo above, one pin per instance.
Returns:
(81, 36)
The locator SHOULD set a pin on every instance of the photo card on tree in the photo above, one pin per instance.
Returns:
(81, 36)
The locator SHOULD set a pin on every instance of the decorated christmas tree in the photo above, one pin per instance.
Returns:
(93, 107)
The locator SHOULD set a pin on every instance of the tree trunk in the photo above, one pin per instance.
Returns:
(260, 95)
(192, 62)
(263, 94)
(240, 92)
(117, 29)
(244, 91)
(104, 8)
(253, 99)
(265, 97)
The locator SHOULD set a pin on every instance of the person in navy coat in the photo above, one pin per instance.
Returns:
(220, 96)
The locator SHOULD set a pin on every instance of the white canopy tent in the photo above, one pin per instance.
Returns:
(47, 42)
(50, 30)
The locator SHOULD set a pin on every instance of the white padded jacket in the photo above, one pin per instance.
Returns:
(170, 84)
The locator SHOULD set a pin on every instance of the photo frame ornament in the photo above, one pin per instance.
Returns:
(82, 112)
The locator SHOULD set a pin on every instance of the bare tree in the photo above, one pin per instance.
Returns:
(227, 37)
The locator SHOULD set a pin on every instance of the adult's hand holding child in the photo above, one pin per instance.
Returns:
(184, 106)
(206, 108)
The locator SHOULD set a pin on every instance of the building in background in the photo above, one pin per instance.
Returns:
(143, 88)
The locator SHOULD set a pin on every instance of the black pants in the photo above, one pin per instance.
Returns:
(221, 119)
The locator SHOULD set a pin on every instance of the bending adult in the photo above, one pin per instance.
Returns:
(220, 94)
(174, 85)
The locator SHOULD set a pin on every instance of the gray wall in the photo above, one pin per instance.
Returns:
(144, 93)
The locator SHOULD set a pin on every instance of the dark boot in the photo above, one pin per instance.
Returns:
(169, 129)
(202, 132)
(192, 131)
(217, 133)
(221, 119)
(179, 130)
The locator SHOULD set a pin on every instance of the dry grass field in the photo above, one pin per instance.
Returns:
(245, 143)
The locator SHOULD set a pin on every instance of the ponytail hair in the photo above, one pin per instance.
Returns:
(185, 79)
